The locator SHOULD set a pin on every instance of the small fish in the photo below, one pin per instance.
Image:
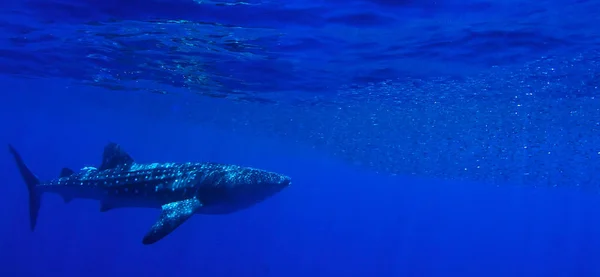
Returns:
(179, 189)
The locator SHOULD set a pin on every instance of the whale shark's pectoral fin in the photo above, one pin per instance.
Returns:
(173, 214)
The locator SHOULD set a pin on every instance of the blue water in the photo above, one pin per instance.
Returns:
(424, 138)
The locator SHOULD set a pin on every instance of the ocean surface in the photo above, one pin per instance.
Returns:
(424, 138)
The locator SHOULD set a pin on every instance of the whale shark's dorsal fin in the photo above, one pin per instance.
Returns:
(114, 157)
(66, 172)
(172, 215)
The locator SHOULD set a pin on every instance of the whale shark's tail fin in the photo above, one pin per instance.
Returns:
(31, 181)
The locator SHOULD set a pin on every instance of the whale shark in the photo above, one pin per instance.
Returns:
(180, 190)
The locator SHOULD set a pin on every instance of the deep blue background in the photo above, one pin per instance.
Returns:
(295, 58)
(335, 220)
